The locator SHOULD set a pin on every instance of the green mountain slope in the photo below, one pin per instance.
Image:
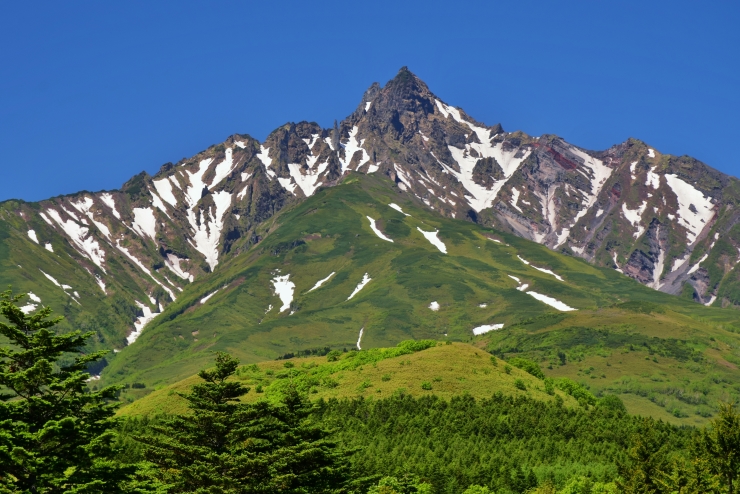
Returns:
(238, 310)
(444, 370)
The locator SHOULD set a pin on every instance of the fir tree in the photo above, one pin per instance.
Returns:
(719, 447)
(225, 446)
(647, 465)
(55, 434)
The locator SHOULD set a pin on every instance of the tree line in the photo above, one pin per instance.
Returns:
(59, 435)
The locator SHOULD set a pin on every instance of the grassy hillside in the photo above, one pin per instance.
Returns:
(472, 283)
(443, 370)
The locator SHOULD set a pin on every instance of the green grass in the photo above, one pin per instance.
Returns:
(447, 370)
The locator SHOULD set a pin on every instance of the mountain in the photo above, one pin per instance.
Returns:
(433, 217)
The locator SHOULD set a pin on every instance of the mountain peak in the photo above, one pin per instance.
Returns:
(407, 82)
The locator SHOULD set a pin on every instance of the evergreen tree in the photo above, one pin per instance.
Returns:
(225, 446)
(719, 447)
(647, 465)
(55, 434)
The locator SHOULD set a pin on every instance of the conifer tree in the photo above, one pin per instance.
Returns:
(719, 448)
(647, 465)
(225, 446)
(55, 434)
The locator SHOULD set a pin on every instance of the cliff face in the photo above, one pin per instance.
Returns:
(669, 222)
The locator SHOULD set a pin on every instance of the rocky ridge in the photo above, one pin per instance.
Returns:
(669, 222)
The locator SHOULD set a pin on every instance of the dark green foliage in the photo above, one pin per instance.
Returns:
(527, 366)
(612, 402)
(505, 443)
(719, 447)
(55, 434)
(576, 390)
(519, 384)
(228, 446)
(406, 484)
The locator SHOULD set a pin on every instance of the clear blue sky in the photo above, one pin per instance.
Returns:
(92, 93)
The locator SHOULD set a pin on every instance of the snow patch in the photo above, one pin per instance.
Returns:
(28, 308)
(696, 266)
(100, 283)
(164, 189)
(205, 299)
(241, 194)
(365, 280)
(653, 179)
(434, 240)
(359, 338)
(207, 231)
(547, 271)
(288, 184)
(284, 289)
(144, 222)
(523, 287)
(434, 306)
(141, 322)
(687, 196)
(32, 236)
(486, 328)
(367, 106)
(515, 198)
(34, 297)
(651, 153)
(307, 178)
(599, 174)
(376, 231)
(173, 263)
(634, 216)
(711, 300)
(350, 148)
(515, 278)
(551, 302)
(108, 201)
(321, 282)
(86, 245)
(224, 168)
(658, 270)
(141, 266)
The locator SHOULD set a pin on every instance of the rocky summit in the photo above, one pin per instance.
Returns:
(115, 259)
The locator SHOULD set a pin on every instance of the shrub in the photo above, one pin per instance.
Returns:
(426, 385)
(288, 365)
(386, 378)
(507, 369)
(333, 356)
(527, 366)
(549, 386)
(519, 384)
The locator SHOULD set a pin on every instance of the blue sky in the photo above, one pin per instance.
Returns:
(92, 93)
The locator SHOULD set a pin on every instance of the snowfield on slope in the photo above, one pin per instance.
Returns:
(486, 328)
(547, 271)
(434, 240)
(551, 302)
(687, 196)
(284, 289)
(365, 280)
(376, 231)
(480, 197)
(321, 282)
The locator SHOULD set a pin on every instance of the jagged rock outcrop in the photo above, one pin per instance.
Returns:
(669, 222)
